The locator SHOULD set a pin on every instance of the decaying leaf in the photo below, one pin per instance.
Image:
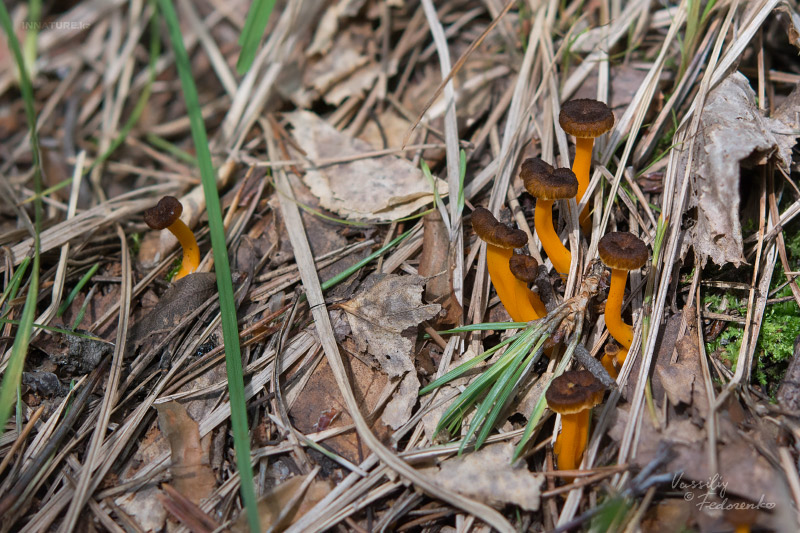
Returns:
(192, 475)
(300, 493)
(376, 188)
(379, 316)
(381, 312)
(732, 132)
(690, 446)
(181, 299)
(489, 476)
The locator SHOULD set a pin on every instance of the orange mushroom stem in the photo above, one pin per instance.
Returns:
(166, 215)
(572, 395)
(584, 119)
(525, 268)
(500, 243)
(621, 252)
(547, 184)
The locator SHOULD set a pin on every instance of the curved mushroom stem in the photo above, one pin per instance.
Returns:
(608, 363)
(513, 293)
(581, 167)
(622, 332)
(571, 442)
(537, 303)
(191, 252)
(543, 222)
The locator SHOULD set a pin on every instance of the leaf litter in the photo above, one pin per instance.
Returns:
(347, 89)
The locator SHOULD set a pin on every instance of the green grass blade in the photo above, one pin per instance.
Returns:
(254, 26)
(507, 389)
(485, 326)
(74, 292)
(13, 285)
(464, 367)
(230, 330)
(13, 373)
(344, 275)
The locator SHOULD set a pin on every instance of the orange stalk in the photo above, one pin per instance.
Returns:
(513, 293)
(571, 442)
(191, 252)
(543, 222)
(622, 332)
(582, 168)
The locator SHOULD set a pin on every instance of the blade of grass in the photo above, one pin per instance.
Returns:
(13, 373)
(463, 367)
(254, 26)
(230, 330)
(83, 281)
(13, 285)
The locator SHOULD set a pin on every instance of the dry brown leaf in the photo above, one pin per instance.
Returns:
(384, 308)
(732, 133)
(377, 188)
(488, 476)
(398, 411)
(747, 473)
(191, 474)
(295, 492)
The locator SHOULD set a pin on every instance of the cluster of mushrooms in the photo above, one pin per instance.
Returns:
(573, 393)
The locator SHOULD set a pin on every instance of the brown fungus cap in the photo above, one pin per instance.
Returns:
(166, 211)
(585, 118)
(622, 250)
(492, 231)
(524, 267)
(548, 183)
(611, 349)
(573, 391)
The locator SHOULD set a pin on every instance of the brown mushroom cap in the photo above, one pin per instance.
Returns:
(622, 250)
(524, 267)
(166, 211)
(573, 391)
(494, 232)
(548, 183)
(611, 349)
(585, 118)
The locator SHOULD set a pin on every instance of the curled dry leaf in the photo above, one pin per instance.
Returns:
(732, 132)
(489, 476)
(376, 188)
(192, 475)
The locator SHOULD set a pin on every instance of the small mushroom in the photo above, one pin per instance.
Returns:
(610, 359)
(547, 184)
(584, 119)
(526, 268)
(500, 243)
(572, 395)
(621, 252)
(166, 215)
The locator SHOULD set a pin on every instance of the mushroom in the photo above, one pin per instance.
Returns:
(526, 268)
(547, 184)
(572, 395)
(584, 119)
(610, 359)
(500, 243)
(166, 215)
(621, 252)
